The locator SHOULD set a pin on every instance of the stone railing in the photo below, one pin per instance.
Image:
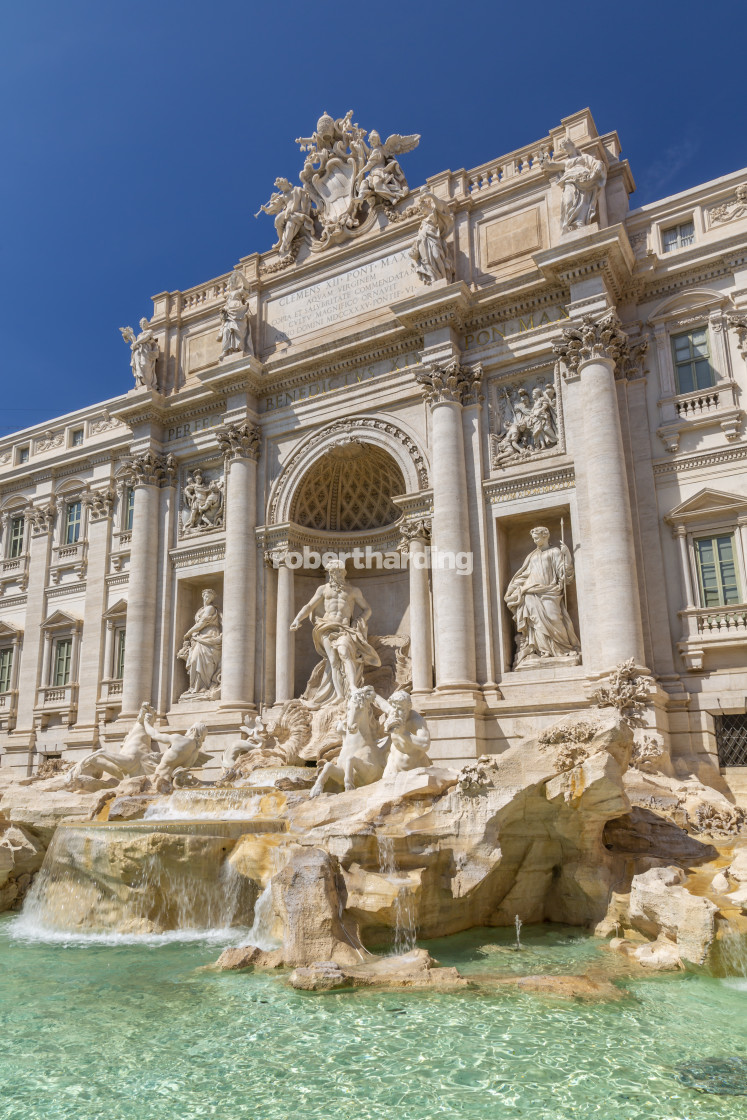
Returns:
(696, 404)
(57, 696)
(517, 163)
(728, 621)
(710, 628)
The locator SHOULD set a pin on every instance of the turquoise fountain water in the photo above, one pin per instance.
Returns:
(107, 1028)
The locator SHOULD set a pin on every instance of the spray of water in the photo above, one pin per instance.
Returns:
(518, 924)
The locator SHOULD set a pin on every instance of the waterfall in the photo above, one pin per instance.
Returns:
(730, 953)
(263, 934)
(215, 804)
(404, 904)
(137, 879)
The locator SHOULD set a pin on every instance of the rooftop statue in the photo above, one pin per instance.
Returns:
(144, 348)
(582, 179)
(345, 178)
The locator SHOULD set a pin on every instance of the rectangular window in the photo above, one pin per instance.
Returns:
(678, 237)
(63, 655)
(72, 522)
(23, 454)
(731, 740)
(77, 437)
(119, 655)
(717, 571)
(129, 510)
(17, 533)
(692, 362)
(6, 668)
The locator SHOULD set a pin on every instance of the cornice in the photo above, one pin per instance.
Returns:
(701, 461)
(529, 484)
(301, 369)
(606, 252)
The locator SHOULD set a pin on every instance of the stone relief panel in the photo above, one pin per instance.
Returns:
(202, 502)
(729, 211)
(524, 419)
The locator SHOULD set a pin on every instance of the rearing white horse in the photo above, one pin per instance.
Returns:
(362, 758)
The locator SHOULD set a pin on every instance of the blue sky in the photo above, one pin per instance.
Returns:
(140, 138)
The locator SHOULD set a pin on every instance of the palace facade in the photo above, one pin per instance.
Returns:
(415, 378)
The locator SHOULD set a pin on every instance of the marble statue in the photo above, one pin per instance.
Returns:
(430, 253)
(136, 756)
(344, 178)
(291, 207)
(363, 756)
(339, 639)
(582, 179)
(529, 423)
(408, 737)
(255, 736)
(536, 597)
(144, 352)
(201, 650)
(203, 499)
(235, 334)
(183, 750)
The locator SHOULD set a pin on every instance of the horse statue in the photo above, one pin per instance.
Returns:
(135, 757)
(362, 757)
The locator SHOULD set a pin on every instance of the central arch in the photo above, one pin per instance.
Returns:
(349, 489)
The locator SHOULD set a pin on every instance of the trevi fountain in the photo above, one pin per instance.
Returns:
(370, 720)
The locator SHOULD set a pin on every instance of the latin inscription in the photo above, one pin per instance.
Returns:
(351, 293)
(500, 331)
(189, 427)
(339, 381)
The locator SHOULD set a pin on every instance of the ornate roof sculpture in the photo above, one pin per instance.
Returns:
(345, 180)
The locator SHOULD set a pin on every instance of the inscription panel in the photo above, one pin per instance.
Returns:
(352, 293)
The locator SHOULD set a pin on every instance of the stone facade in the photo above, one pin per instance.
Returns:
(428, 374)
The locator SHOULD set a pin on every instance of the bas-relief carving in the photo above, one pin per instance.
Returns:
(201, 651)
(144, 354)
(203, 500)
(103, 423)
(582, 178)
(345, 179)
(730, 211)
(49, 441)
(536, 596)
(526, 420)
(235, 334)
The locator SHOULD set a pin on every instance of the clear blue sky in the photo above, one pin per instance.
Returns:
(139, 138)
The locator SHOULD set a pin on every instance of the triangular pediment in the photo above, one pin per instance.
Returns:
(117, 610)
(708, 503)
(7, 630)
(58, 619)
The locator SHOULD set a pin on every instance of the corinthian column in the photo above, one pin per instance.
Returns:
(446, 389)
(284, 638)
(415, 539)
(147, 471)
(240, 444)
(593, 352)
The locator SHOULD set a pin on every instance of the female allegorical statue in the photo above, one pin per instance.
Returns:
(535, 596)
(201, 650)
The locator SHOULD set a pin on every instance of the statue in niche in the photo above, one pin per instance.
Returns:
(536, 597)
(340, 640)
(235, 335)
(201, 650)
(582, 179)
(529, 423)
(291, 207)
(204, 501)
(144, 352)
(430, 252)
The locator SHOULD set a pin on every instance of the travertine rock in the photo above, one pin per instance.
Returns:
(40, 806)
(660, 904)
(416, 969)
(309, 895)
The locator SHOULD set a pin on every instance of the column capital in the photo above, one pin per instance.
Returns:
(414, 531)
(99, 503)
(679, 531)
(149, 468)
(450, 383)
(239, 441)
(600, 340)
(738, 323)
(41, 518)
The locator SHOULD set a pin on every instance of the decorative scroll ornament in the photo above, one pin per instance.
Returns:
(41, 518)
(239, 441)
(151, 469)
(600, 339)
(738, 323)
(345, 179)
(100, 503)
(203, 501)
(452, 383)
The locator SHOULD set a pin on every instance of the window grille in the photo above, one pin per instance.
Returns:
(731, 740)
